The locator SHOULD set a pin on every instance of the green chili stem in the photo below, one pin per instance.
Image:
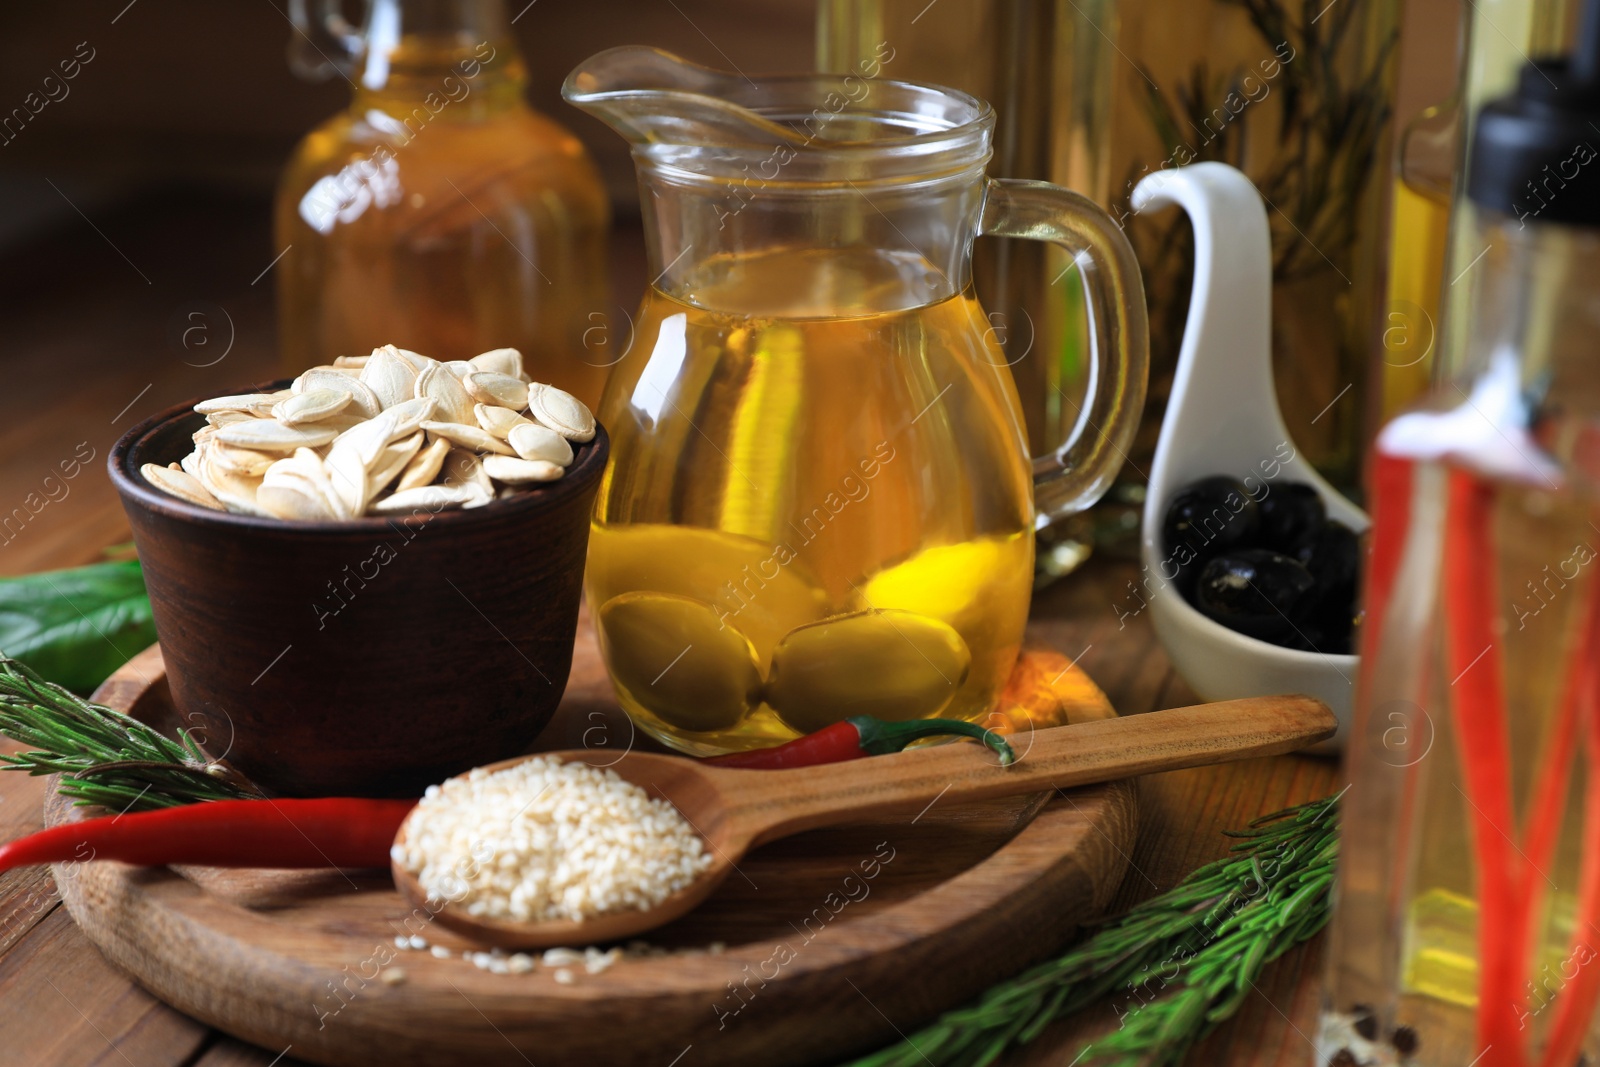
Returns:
(879, 738)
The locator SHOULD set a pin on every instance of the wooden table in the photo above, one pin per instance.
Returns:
(111, 321)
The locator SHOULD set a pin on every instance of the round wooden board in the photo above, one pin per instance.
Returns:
(835, 939)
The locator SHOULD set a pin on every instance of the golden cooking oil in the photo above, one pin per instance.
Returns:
(819, 504)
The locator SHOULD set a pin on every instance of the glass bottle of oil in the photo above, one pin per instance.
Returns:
(1467, 927)
(438, 212)
(1419, 235)
(820, 502)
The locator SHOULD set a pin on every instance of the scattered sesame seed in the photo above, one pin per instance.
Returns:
(596, 961)
(402, 943)
(418, 943)
(393, 976)
(440, 952)
(521, 963)
(564, 976)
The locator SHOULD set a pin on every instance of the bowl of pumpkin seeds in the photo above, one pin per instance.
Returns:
(367, 578)
(382, 434)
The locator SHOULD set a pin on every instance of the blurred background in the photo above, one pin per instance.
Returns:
(136, 247)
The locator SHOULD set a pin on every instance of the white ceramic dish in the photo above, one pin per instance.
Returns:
(1223, 418)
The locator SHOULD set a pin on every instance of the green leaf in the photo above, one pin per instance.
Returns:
(76, 626)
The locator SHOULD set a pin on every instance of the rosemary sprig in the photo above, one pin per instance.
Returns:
(1184, 960)
(103, 756)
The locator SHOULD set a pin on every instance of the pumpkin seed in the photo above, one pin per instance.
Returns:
(409, 415)
(561, 411)
(465, 468)
(424, 468)
(507, 361)
(294, 499)
(347, 477)
(394, 459)
(514, 471)
(312, 406)
(362, 396)
(391, 378)
(458, 368)
(269, 435)
(236, 492)
(432, 498)
(468, 437)
(300, 487)
(454, 405)
(181, 484)
(254, 403)
(498, 421)
(246, 461)
(418, 361)
(535, 442)
(357, 362)
(487, 387)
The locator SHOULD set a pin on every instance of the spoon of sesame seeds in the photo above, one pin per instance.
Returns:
(549, 850)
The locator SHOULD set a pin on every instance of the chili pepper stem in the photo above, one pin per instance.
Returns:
(858, 736)
(879, 738)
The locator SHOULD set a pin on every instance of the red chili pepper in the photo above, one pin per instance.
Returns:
(856, 737)
(322, 832)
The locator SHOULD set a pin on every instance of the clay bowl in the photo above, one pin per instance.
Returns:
(370, 657)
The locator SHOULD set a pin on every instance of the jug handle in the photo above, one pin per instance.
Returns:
(325, 43)
(1078, 473)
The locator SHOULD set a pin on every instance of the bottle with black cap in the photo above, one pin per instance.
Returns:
(1468, 895)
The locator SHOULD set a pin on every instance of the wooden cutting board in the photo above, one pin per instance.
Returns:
(826, 944)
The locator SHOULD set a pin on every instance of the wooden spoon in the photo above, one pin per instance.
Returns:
(735, 810)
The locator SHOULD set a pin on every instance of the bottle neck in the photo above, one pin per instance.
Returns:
(1524, 402)
(459, 53)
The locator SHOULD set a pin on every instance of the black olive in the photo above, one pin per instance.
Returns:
(1404, 1039)
(1333, 556)
(1333, 553)
(1290, 516)
(1204, 519)
(1257, 592)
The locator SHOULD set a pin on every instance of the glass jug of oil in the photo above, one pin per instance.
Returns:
(438, 212)
(820, 502)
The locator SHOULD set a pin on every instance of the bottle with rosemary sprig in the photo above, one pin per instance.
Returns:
(1299, 97)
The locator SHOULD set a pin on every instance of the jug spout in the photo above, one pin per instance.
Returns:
(847, 181)
(654, 97)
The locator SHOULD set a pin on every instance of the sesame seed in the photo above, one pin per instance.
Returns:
(545, 840)
(393, 976)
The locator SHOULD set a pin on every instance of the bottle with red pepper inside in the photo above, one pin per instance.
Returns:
(1469, 869)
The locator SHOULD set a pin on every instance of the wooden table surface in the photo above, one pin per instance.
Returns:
(108, 322)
